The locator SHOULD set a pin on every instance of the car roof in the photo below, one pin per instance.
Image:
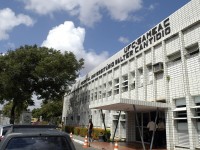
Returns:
(34, 126)
(8, 125)
(35, 129)
(35, 134)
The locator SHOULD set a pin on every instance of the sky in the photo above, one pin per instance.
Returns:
(92, 29)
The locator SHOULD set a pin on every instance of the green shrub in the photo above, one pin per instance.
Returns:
(98, 131)
(77, 130)
(69, 129)
(82, 131)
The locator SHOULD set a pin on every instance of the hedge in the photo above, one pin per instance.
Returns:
(81, 131)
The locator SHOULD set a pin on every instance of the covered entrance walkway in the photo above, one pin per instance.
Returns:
(136, 106)
(122, 146)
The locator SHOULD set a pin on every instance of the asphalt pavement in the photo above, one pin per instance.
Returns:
(79, 141)
(79, 146)
(98, 145)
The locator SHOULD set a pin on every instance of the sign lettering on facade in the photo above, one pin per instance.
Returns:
(144, 41)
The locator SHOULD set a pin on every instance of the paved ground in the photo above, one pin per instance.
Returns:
(96, 145)
(80, 147)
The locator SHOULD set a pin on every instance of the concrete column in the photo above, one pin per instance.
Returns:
(168, 112)
(113, 84)
(136, 79)
(187, 93)
(129, 80)
(144, 77)
(120, 81)
(153, 75)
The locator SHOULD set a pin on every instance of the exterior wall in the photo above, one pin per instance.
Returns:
(165, 70)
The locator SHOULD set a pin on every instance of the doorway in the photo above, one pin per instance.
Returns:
(143, 119)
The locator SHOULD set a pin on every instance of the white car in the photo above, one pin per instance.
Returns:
(3, 130)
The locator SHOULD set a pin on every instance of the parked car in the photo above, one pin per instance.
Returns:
(3, 130)
(36, 137)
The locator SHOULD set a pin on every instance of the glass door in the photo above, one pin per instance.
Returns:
(143, 119)
(146, 119)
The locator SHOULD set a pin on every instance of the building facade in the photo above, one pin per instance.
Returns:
(155, 76)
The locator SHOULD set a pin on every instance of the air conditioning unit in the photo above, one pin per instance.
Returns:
(158, 67)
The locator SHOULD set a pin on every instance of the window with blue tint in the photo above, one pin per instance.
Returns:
(38, 143)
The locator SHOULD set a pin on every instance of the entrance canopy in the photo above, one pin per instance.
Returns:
(127, 105)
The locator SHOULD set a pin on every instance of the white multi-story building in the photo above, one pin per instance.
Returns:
(156, 75)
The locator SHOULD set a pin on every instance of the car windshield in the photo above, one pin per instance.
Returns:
(38, 143)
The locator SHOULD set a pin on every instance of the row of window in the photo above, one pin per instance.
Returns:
(105, 90)
(180, 112)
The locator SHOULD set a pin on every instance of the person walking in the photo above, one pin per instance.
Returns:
(90, 128)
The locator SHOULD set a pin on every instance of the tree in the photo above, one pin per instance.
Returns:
(18, 110)
(50, 111)
(36, 112)
(30, 70)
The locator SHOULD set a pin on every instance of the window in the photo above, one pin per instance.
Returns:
(140, 77)
(132, 80)
(180, 112)
(104, 91)
(38, 142)
(149, 74)
(110, 84)
(109, 88)
(95, 96)
(193, 50)
(174, 57)
(196, 108)
(132, 86)
(99, 94)
(125, 83)
(116, 86)
(109, 93)
(91, 97)
(103, 95)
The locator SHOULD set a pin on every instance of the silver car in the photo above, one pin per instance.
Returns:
(36, 137)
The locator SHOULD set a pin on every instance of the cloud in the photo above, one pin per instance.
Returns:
(122, 9)
(123, 40)
(66, 37)
(152, 6)
(88, 11)
(9, 20)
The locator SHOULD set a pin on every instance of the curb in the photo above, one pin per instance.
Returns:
(78, 141)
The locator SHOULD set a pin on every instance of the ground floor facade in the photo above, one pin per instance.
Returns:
(155, 76)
